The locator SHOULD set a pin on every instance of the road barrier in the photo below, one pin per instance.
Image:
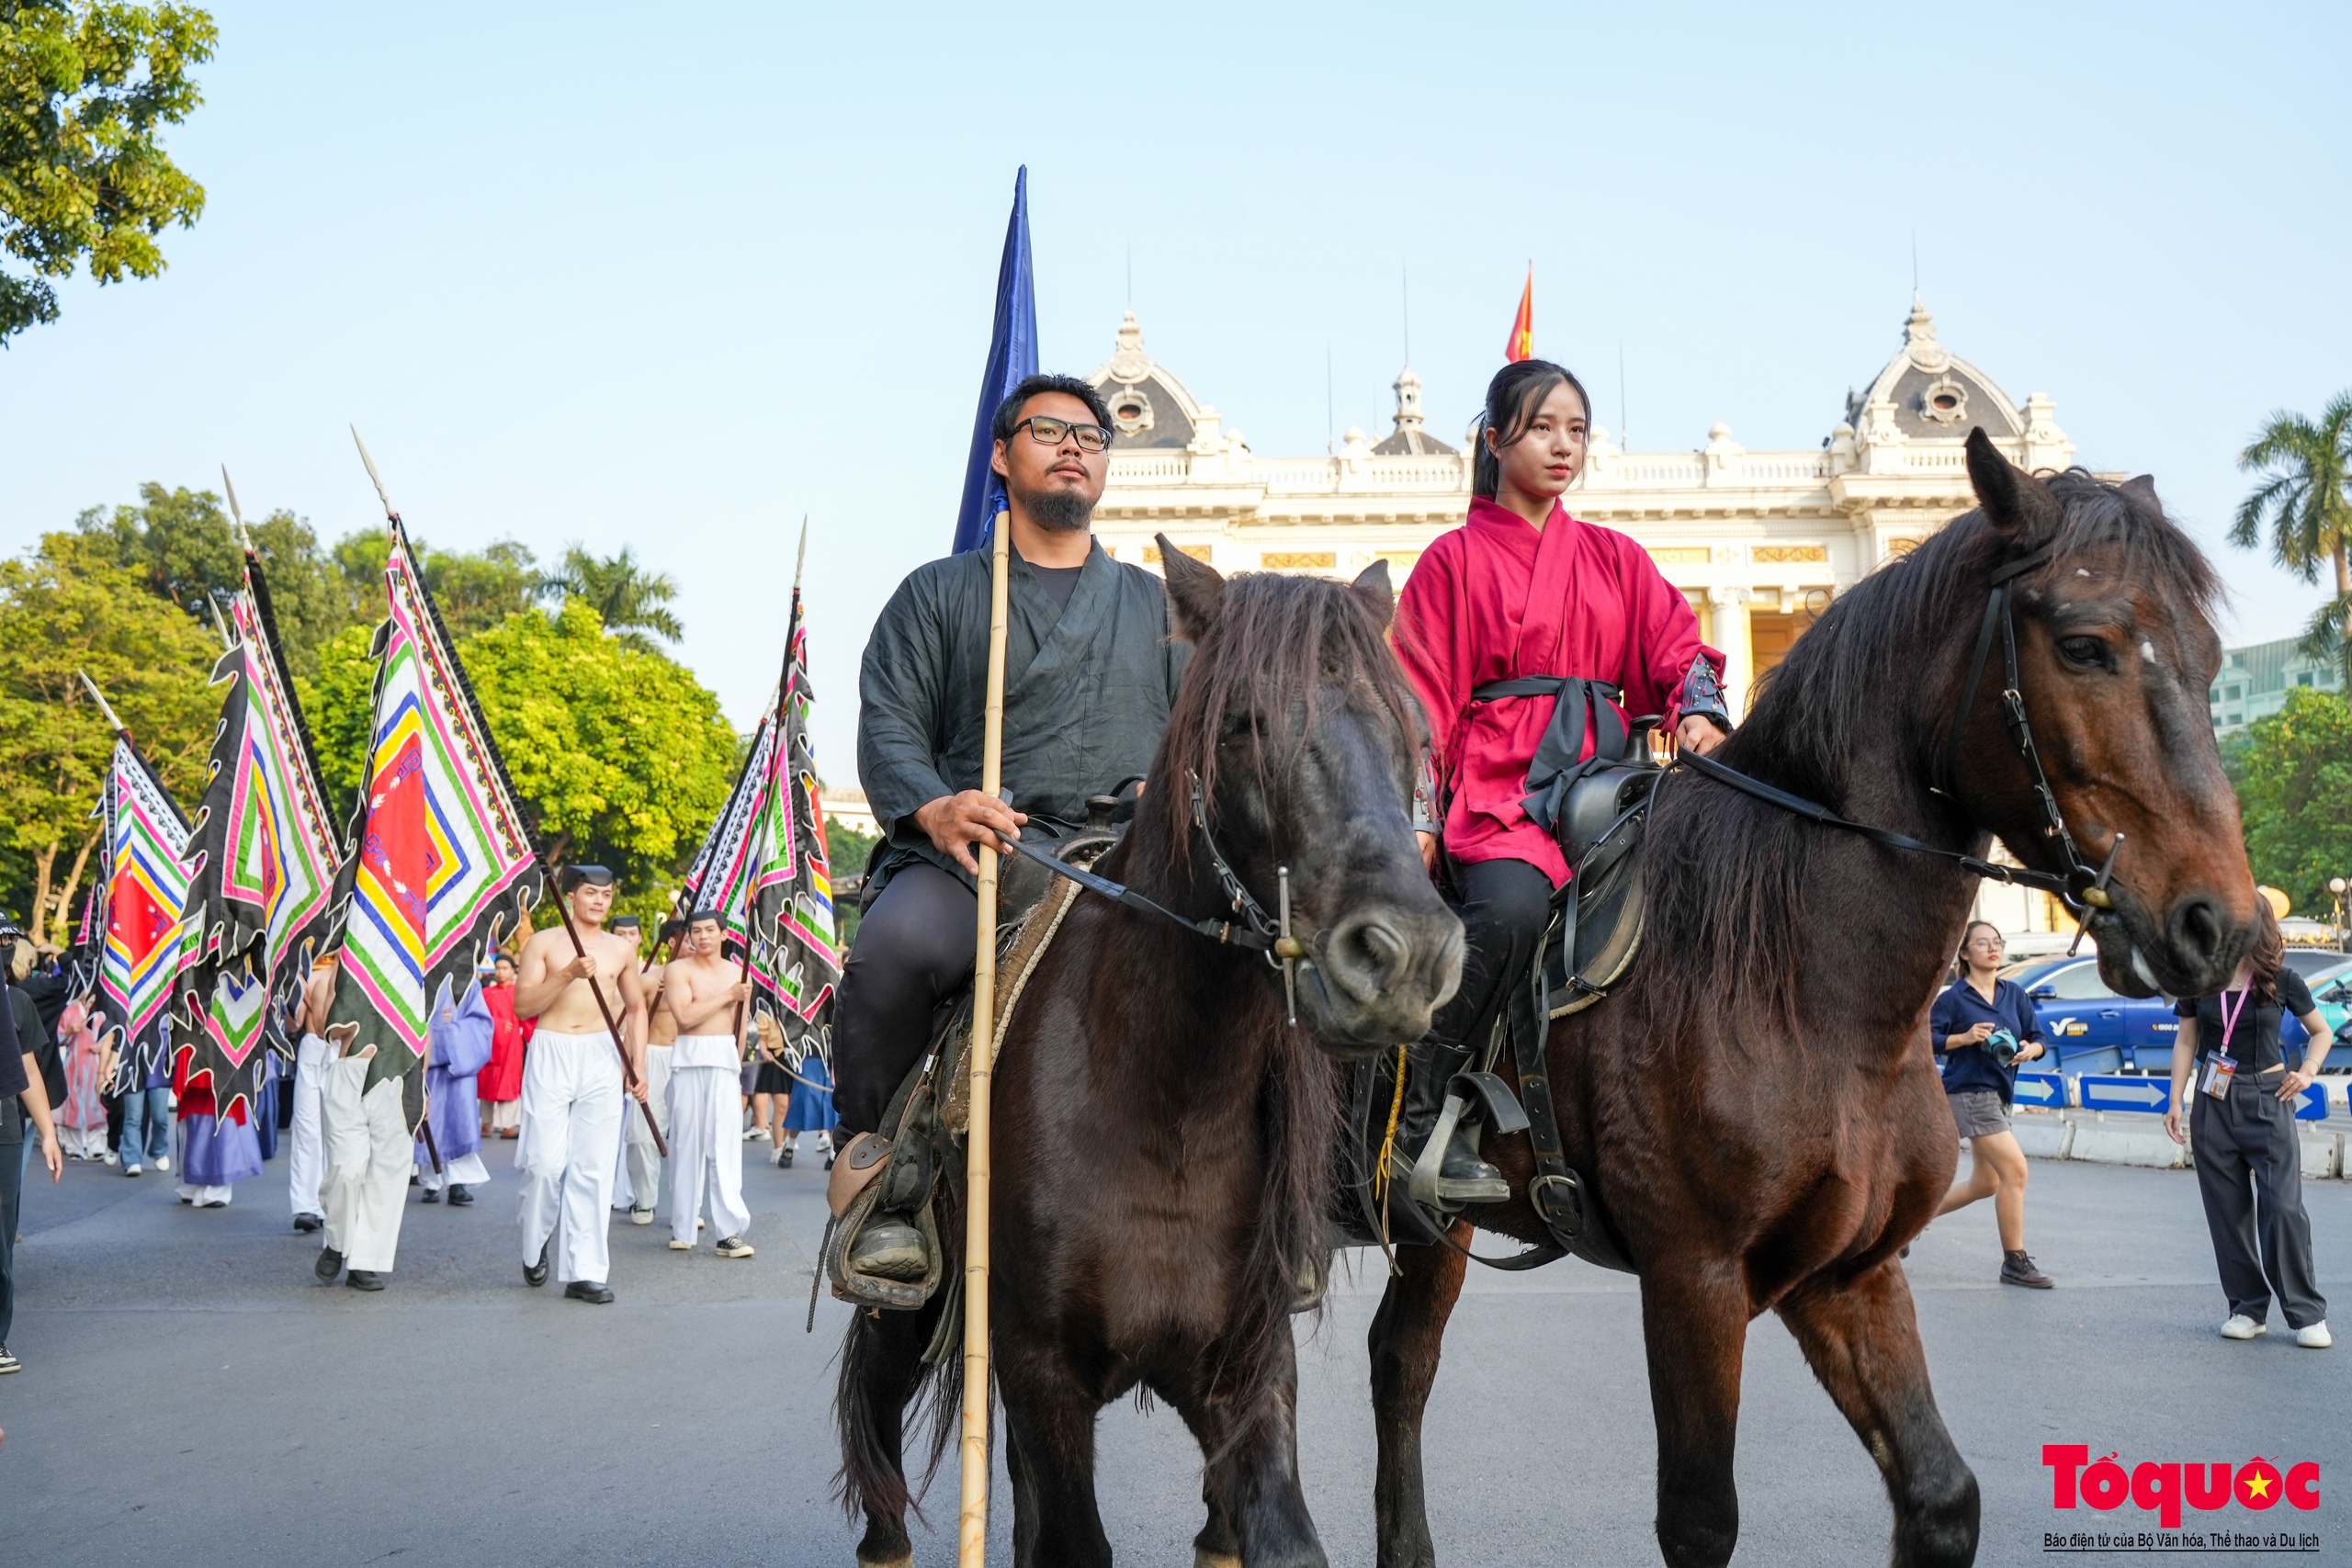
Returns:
(2113, 1119)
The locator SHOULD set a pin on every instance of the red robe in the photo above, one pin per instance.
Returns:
(1495, 598)
(502, 1079)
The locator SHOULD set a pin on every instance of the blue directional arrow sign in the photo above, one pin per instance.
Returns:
(2047, 1091)
(2118, 1092)
(2311, 1104)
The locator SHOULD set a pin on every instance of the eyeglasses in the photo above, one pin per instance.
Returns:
(1050, 431)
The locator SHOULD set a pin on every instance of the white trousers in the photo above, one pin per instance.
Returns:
(368, 1154)
(466, 1170)
(706, 1152)
(306, 1163)
(644, 1173)
(569, 1146)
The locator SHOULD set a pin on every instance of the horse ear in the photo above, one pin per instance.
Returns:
(2144, 487)
(1372, 584)
(2014, 501)
(1194, 587)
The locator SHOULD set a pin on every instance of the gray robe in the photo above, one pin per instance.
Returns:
(1087, 691)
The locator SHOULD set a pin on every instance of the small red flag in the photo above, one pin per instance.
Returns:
(1522, 326)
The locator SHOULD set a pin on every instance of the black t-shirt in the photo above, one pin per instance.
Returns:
(1058, 581)
(2254, 1044)
(13, 1081)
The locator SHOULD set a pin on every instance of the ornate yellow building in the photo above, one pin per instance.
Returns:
(1759, 541)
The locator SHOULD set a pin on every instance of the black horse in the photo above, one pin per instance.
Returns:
(1757, 1109)
(1163, 1136)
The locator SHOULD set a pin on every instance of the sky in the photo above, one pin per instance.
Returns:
(674, 278)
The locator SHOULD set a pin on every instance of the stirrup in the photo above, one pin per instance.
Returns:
(1430, 1185)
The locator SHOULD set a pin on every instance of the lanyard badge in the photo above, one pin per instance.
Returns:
(2219, 1067)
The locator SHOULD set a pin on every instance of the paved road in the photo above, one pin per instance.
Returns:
(191, 1397)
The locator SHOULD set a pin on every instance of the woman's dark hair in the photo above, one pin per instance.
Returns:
(1959, 959)
(2269, 950)
(1513, 398)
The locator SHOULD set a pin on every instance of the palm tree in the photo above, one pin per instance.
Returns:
(2306, 495)
(631, 599)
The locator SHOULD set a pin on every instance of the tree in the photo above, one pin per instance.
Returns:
(184, 548)
(2306, 495)
(85, 85)
(2294, 777)
(630, 599)
(474, 593)
(846, 850)
(338, 704)
(70, 607)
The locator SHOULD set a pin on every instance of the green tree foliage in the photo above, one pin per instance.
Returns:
(69, 605)
(630, 599)
(2306, 496)
(473, 592)
(2294, 778)
(85, 87)
(618, 750)
(184, 548)
(845, 853)
(338, 704)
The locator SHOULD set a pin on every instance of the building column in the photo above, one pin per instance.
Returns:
(1730, 619)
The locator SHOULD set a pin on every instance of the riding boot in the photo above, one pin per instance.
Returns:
(889, 1248)
(1461, 1176)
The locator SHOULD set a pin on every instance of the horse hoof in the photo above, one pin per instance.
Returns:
(903, 1560)
(1214, 1560)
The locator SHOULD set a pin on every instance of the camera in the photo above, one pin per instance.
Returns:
(2002, 1046)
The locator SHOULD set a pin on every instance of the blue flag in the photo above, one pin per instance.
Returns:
(1012, 354)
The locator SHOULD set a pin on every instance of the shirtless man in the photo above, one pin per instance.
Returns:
(707, 994)
(573, 1079)
(305, 1155)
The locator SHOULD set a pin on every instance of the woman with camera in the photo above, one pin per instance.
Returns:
(2242, 1115)
(1983, 1027)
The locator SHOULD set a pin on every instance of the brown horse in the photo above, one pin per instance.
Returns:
(1162, 1135)
(1757, 1110)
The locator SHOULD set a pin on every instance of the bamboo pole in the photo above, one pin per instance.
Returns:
(972, 1546)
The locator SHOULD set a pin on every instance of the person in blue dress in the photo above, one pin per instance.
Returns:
(1977, 1023)
(811, 1107)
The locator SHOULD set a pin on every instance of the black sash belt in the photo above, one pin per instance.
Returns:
(1560, 752)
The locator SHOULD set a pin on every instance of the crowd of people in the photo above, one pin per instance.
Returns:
(713, 1077)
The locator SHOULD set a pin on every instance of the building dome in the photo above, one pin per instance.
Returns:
(1932, 393)
(1149, 408)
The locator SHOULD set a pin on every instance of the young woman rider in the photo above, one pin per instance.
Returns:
(1523, 589)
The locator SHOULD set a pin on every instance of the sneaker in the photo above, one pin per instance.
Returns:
(130, 1170)
(2241, 1327)
(309, 1221)
(2017, 1268)
(112, 1158)
(163, 1164)
(8, 1363)
(829, 1159)
(2311, 1336)
(736, 1246)
(677, 1246)
(784, 1159)
(640, 1217)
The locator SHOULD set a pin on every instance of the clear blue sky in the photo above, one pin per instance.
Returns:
(671, 279)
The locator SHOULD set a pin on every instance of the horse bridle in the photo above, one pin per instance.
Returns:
(2079, 886)
(1257, 930)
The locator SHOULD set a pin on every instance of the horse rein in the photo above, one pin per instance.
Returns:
(1258, 931)
(2079, 886)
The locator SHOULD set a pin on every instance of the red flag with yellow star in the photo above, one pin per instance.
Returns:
(1522, 326)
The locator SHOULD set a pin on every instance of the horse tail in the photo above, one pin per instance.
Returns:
(882, 1375)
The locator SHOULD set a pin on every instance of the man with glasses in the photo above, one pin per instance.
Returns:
(1090, 669)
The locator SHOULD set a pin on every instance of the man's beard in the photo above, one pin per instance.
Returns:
(1063, 511)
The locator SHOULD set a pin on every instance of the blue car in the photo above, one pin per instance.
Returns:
(2087, 1028)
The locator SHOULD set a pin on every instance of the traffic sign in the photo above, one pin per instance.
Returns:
(2311, 1104)
(2046, 1091)
(2118, 1092)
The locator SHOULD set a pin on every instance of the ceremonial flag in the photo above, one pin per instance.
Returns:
(763, 867)
(1522, 326)
(442, 863)
(1012, 354)
(136, 910)
(260, 896)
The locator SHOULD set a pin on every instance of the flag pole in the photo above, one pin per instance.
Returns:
(972, 1547)
(783, 686)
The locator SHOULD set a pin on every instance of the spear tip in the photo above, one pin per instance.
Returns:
(236, 512)
(390, 512)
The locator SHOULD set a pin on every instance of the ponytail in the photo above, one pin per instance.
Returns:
(1513, 397)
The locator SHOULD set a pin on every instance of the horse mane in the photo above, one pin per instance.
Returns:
(1726, 869)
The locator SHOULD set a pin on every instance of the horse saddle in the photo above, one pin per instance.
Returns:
(1598, 917)
(927, 1117)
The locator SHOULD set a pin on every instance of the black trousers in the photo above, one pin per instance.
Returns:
(12, 1192)
(914, 951)
(2250, 1173)
(1505, 906)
